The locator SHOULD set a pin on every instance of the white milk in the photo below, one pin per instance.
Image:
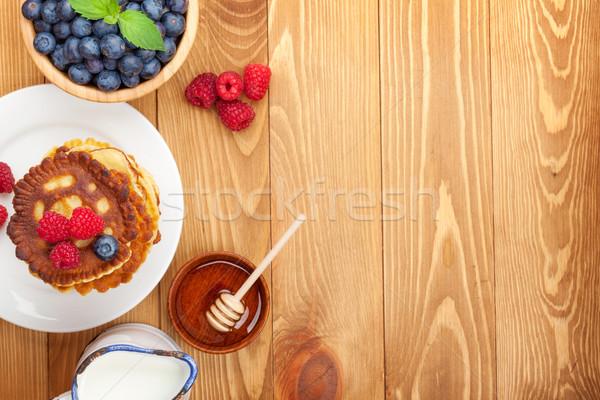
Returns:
(120, 375)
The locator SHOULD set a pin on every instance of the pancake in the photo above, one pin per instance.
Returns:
(145, 194)
(61, 183)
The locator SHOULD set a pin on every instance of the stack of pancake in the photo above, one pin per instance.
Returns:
(107, 180)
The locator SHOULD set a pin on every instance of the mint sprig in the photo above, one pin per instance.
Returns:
(134, 25)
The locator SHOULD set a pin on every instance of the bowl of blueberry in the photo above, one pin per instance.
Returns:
(109, 50)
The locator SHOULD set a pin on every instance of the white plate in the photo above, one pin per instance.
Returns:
(35, 119)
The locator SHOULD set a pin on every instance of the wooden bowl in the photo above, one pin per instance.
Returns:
(198, 284)
(92, 93)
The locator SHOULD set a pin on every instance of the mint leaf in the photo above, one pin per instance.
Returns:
(140, 30)
(111, 20)
(94, 9)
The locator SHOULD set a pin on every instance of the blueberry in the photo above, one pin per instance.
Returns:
(94, 65)
(130, 65)
(108, 81)
(112, 46)
(110, 63)
(121, 2)
(101, 28)
(167, 55)
(161, 28)
(133, 7)
(79, 74)
(62, 30)
(150, 69)
(174, 24)
(177, 6)
(44, 43)
(106, 247)
(81, 27)
(65, 11)
(130, 81)
(72, 53)
(39, 25)
(153, 9)
(145, 55)
(89, 47)
(50, 11)
(58, 58)
(32, 9)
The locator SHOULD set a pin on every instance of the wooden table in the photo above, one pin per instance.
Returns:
(447, 155)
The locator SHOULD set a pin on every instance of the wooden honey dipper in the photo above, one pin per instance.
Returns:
(227, 310)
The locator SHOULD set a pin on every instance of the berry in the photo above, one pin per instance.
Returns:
(145, 55)
(94, 65)
(177, 6)
(161, 28)
(112, 46)
(101, 28)
(49, 11)
(256, 80)
(62, 30)
(110, 63)
(130, 81)
(174, 24)
(166, 56)
(236, 115)
(202, 92)
(150, 69)
(108, 80)
(79, 74)
(53, 227)
(3, 215)
(32, 9)
(44, 43)
(7, 181)
(65, 255)
(153, 9)
(89, 47)
(230, 85)
(106, 247)
(65, 11)
(72, 53)
(58, 58)
(130, 65)
(81, 27)
(84, 224)
(133, 7)
(121, 2)
(39, 25)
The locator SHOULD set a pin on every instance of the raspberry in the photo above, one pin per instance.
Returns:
(256, 80)
(7, 181)
(3, 215)
(53, 227)
(65, 255)
(84, 224)
(236, 115)
(202, 92)
(230, 85)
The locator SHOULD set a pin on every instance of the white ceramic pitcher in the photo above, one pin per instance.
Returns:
(133, 358)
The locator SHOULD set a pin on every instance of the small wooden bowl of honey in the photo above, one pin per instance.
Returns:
(196, 286)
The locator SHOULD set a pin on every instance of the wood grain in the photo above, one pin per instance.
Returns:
(23, 352)
(436, 147)
(546, 178)
(92, 93)
(327, 311)
(214, 161)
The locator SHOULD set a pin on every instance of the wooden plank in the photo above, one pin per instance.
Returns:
(23, 353)
(221, 171)
(546, 162)
(436, 141)
(327, 292)
(64, 349)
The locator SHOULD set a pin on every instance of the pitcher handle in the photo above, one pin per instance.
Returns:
(64, 396)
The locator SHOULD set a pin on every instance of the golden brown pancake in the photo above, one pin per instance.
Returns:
(63, 183)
